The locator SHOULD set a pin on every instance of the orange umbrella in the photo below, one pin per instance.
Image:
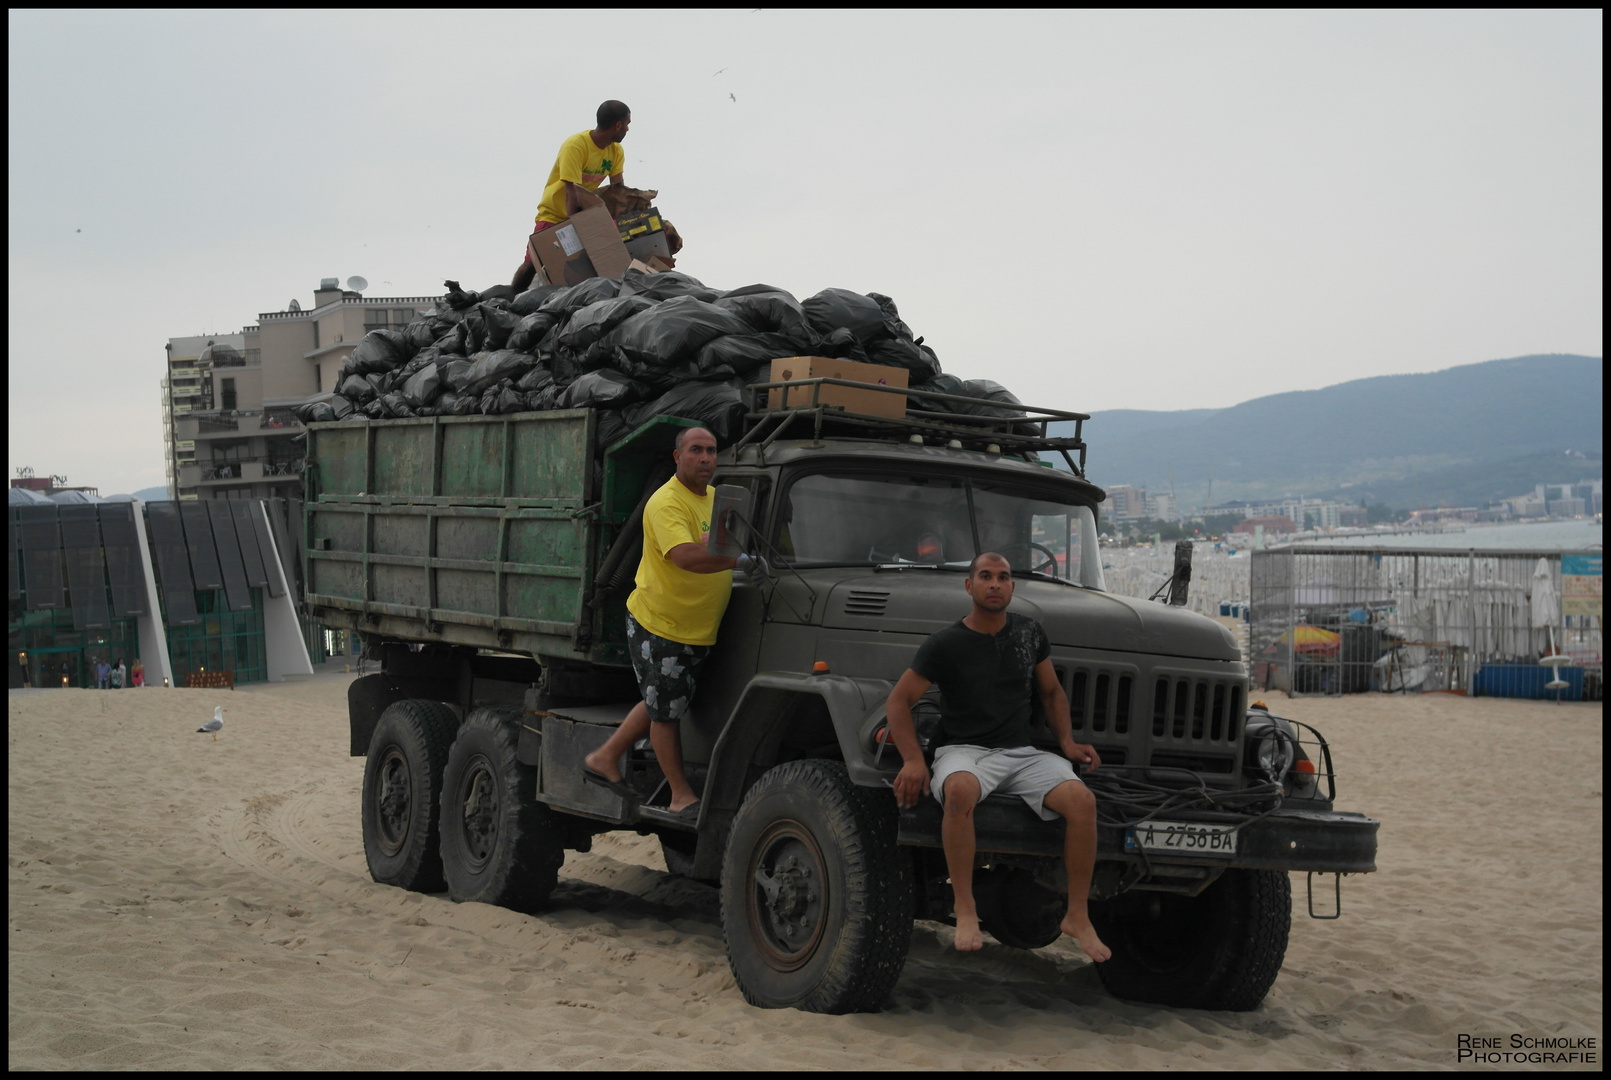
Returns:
(1311, 639)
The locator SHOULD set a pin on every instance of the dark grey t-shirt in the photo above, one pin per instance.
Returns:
(986, 680)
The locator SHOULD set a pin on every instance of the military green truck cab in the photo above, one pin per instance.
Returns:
(486, 561)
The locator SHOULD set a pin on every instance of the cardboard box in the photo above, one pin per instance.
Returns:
(636, 223)
(588, 245)
(868, 402)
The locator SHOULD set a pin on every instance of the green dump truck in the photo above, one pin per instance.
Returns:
(486, 560)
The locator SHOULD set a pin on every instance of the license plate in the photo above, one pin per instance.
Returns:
(1182, 838)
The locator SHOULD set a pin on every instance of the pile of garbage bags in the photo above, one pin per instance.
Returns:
(648, 345)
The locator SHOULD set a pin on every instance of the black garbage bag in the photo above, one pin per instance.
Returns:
(457, 298)
(341, 407)
(537, 378)
(492, 368)
(499, 320)
(475, 331)
(587, 325)
(541, 400)
(741, 354)
(612, 427)
(892, 315)
(766, 309)
(315, 412)
(421, 332)
(357, 389)
(422, 387)
(834, 309)
(529, 331)
(455, 342)
(565, 367)
(904, 353)
(453, 370)
(562, 302)
(380, 350)
(376, 411)
(502, 398)
(529, 301)
(423, 358)
(665, 285)
(674, 331)
(842, 345)
(601, 389)
(501, 293)
(454, 404)
(719, 406)
(384, 382)
(396, 405)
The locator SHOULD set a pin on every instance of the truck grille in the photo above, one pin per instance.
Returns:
(1195, 719)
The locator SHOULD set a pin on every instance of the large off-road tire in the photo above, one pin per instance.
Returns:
(402, 792)
(816, 898)
(1220, 949)
(499, 846)
(1017, 910)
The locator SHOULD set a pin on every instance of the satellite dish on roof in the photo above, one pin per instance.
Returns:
(357, 284)
(294, 306)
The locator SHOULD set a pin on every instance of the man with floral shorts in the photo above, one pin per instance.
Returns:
(672, 616)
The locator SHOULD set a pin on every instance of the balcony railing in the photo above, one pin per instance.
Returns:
(217, 423)
(279, 418)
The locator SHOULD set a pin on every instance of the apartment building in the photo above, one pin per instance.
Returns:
(228, 424)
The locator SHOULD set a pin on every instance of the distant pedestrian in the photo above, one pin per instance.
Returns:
(137, 673)
(103, 674)
(120, 675)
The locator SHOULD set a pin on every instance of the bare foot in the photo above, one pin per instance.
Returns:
(968, 936)
(604, 766)
(1084, 934)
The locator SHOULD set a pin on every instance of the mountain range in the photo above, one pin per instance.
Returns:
(1459, 437)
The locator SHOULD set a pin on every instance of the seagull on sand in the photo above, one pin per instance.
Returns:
(215, 724)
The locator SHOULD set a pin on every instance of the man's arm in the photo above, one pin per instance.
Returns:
(696, 560)
(1056, 703)
(913, 780)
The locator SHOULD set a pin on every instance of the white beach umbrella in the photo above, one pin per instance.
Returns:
(1546, 603)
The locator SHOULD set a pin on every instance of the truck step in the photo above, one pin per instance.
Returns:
(661, 816)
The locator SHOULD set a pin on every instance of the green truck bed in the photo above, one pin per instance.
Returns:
(485, 531)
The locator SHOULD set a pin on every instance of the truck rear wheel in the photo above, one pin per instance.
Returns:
(499, 845)
(1220, 949)
(816, 898)
(402, 789)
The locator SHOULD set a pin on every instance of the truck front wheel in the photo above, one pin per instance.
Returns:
(402, 787)
(1220, 949)
(499, 846)
(816, 898)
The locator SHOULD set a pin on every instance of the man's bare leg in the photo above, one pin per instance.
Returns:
(956, 834)
(1075, 802)
(606, 760)
(667, 740)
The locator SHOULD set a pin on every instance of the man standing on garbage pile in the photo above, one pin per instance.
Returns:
(672, 616)
(584, 160)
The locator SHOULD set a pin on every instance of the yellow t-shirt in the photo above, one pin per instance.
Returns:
(580, 162)
(671, 602)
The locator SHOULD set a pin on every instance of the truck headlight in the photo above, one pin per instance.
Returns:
(1272, 741)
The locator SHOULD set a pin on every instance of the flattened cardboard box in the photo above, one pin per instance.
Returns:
(868, 402)
(588, 245)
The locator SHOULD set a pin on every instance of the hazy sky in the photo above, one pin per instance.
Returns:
(1100, 210)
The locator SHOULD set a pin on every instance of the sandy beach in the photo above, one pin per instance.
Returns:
(180, 902)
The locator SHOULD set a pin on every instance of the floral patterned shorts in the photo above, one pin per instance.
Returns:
(666, 671)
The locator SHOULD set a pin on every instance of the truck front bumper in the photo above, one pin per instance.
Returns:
(1332, 841)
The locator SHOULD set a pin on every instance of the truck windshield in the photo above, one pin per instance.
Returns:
(834, 518)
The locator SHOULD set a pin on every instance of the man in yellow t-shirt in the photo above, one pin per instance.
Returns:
(584, 161)
(672, 616)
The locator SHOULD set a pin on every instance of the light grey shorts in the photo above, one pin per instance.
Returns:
(1025, 771)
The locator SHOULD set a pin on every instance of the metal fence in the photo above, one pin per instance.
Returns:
(1345, 620)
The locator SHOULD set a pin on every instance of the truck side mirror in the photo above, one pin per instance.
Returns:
(1181, 580)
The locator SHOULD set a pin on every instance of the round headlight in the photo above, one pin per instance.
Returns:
(1275, 753)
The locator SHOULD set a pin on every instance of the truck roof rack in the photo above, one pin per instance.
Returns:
(1017, 428)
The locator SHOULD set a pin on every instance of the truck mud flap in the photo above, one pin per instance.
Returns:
(1331, 841)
